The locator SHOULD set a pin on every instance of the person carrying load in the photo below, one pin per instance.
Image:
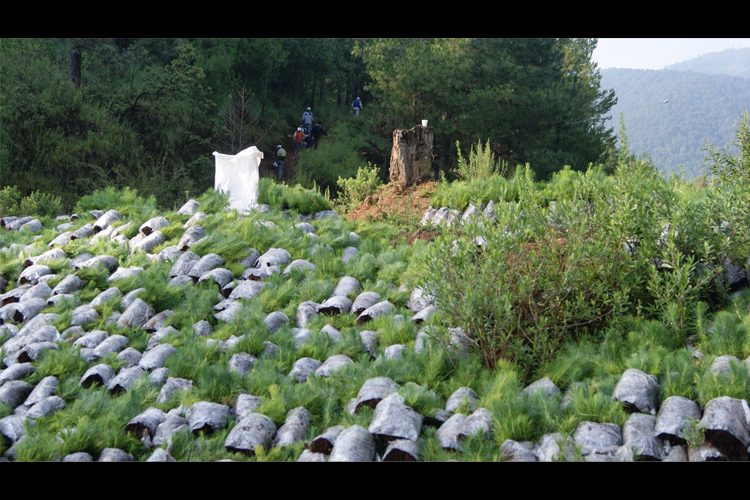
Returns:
(307, 120)
(356, 106)
(279, 162)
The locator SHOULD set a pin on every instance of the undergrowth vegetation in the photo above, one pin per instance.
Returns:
(576, 279)
(297, 198)
(571, 257)
(354, 190)
(338, 155)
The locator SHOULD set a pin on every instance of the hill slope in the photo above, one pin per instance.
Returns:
(202, 334)
(731, 62)
(701, 109)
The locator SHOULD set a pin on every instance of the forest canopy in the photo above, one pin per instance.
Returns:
(82, 114)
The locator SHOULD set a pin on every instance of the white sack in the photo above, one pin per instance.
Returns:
(238, 176)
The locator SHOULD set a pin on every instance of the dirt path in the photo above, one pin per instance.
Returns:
(266, 168)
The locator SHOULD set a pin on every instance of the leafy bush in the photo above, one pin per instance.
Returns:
(10, 196)
(686, 231)
(354, 190)
(481, 163)
(729, 168)
(520, 298)
(731, 213)
(304, 201)
(569, 184)
(545, 276)
(68, 142)
(38, 203)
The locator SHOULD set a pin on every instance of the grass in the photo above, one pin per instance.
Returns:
(90, 423)
(650, 335)
(651, 348)
(297, 198)
(62, 363)
(735, 384)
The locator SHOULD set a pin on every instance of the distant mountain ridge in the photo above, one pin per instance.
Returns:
(730, 62)
(671, 115)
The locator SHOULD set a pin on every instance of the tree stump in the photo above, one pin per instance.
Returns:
(411, 156)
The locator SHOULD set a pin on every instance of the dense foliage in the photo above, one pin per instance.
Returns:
(728, 167)
(354, 190)
(579, 276)
(147, 113)
(536, 100)
(651, 339)
(571, 257)
(84, 114)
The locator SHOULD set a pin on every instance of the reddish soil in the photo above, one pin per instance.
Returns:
(420, 234)
(392, 199)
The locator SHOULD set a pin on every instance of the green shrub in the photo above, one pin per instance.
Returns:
(675, 291)
(354, 190)
(5, 410)
(62, 363)
(726, 335)
(43, 204)
(10, 196)
(588, 404)
(459, 194)
(729, 168)
(568, 184)
(548, 275)
(481, 163)
(213, 201)
(521, 298)
(730, 213)
(735, 384)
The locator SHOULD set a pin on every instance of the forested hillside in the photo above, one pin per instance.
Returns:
(81, 114)
(501, 312)
(731, 62)
(672, 115)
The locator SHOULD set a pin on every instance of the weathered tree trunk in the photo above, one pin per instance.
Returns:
(411, 155)
(75, 65)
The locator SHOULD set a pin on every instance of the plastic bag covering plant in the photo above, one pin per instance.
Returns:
(238, 175)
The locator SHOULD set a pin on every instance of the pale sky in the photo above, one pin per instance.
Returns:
(655, 53)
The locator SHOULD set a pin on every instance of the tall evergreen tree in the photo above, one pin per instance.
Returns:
(537, 100)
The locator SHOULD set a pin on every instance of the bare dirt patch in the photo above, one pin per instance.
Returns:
(420, 234)
(394, 200)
